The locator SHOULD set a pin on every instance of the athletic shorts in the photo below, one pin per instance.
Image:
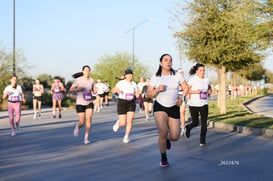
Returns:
(82, 108)
(125, 106)
(38, 98)
(106, 94)
(173, 112)
(147, 100)
(101, 95)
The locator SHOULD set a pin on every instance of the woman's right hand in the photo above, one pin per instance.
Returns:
(161, 88)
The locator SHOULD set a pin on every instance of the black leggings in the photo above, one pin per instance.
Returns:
(195, 121)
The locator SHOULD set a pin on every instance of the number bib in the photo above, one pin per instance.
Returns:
(203, 95)
(56, 90)
(87, 96)
(14, 98)
(129, 97)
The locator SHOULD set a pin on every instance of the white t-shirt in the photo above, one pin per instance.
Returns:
(140, 86)
(84, 97)
(167, 98)
(127, 89)
(199, 100)
(101, 87)
(106, 88)
(14, 94)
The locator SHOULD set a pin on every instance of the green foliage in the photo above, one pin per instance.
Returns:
(46, 80)
(110, 68)
(222, 33)
(254, 72)
(268, 76)
(26, 83)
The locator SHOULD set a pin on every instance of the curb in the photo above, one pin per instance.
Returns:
(267, 133)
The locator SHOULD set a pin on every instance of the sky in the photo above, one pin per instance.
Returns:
(58, 37)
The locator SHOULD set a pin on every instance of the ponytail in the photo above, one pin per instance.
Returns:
(195, 68)
(79, 74)
(76, 75)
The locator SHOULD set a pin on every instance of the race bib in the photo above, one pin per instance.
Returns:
(87, 96)
(203, 95)
(129, 97)
(14, 98)
(56, 90)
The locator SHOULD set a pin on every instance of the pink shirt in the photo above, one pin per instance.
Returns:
(84, 97)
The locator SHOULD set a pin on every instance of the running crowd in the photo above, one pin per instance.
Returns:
(166, 96)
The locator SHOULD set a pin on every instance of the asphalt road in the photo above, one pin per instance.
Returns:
(262, 106)
(47, 150)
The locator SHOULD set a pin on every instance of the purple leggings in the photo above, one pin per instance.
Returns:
(14, 108)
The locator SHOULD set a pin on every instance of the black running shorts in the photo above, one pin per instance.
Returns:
(82, 108)
(125, 106)
(172, 112)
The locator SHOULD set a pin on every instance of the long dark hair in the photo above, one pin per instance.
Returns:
(79, 74)
(15, 86)
(195, 68)
(159, 70)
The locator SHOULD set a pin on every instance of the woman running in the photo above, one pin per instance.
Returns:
(140, 86)
(199, 91)
(15, 97)
(164, 87)
(57, 89)
(84, 86)
(106, 93)
(38, 90)
(148, 102)
(126, 106)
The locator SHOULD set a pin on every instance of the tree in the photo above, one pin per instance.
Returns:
(268, 76)
(110, 67)
(46, 80)
(223, 34)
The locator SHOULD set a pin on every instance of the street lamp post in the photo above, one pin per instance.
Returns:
(133, 30)
(14, 69)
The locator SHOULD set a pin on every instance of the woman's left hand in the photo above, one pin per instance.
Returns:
(179, 101)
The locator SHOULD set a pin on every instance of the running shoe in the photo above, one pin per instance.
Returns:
(40, 117)
(147, 118)
(163, 164)
(86, 141)
(126, 139)
(13, 133)
(34, 116)
(187, 133)
(203, 145)
(60, 116)
(168, 144)
(183, 130)
(17, 126)
(76, 130)
(116, 126)
(54, 116)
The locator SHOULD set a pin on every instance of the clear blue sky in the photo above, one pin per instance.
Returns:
(58, 37)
